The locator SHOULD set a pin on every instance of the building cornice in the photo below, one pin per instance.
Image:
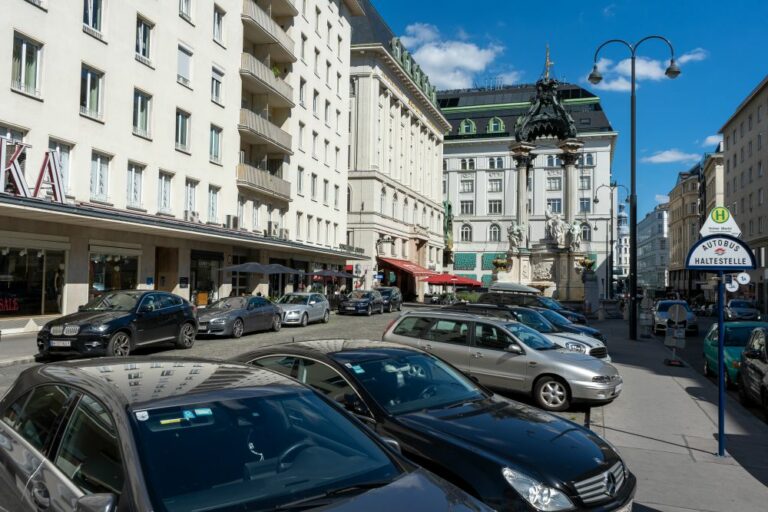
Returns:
(743, 104)
(399, 187)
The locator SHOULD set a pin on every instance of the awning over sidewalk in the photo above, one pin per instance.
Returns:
(409, 267)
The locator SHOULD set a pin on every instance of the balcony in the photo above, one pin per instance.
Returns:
(258, 78)
(257, 130)
(420, 232)
(259, 27)
(261, 181)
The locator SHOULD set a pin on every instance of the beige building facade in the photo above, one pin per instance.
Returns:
(684, 224)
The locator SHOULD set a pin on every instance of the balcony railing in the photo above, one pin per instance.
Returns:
(183, 80)
(93, 32)
(252, 12)
(18, 85)
(264, 182)
(261, 72)
(142, 132)
(265, 129)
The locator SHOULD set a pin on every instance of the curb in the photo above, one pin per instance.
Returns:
(16, 360)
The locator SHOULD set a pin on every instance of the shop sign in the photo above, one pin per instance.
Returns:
(720, 253)
(9, 304)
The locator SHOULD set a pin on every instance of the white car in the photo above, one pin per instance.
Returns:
(661, 319)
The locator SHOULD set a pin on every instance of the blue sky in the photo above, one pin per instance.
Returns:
(460, 43)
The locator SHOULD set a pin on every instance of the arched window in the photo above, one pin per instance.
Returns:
(424, 216)
(590, 159)
(463, 164)
(349, 199)
(383, 206)
(395, 206)
(471, 164)
(415, 213)
(405, 210)
(432, 221)
(467, 127)
(466, 233)
(494, 233)
(586, 233)
(495, 125)
(550, 161)
(491, 163)
(499, 162)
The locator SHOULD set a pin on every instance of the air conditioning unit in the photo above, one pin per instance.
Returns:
(191, 216)
(272, 229)
(233, 222)
(284, 234)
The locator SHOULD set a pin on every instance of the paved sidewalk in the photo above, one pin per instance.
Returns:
(17, 348)
(665, 426)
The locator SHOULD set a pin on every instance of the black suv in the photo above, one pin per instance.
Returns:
(531, 300)
(115, 323)
(393, 299)
(753, 375)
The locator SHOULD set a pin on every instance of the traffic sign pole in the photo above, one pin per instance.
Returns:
(721, 363)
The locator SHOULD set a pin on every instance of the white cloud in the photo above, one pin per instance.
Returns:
(451, 64)
(616, 84)
(660, 198)
(510, 77)
(669, 156)
(695, 55)
(712, 140)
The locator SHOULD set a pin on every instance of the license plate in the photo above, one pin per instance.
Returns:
(625, 508)
(616, 391)
(350, 308)
(61, 343)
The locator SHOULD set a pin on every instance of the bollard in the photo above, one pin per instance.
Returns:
(587, 417)
(601, 314)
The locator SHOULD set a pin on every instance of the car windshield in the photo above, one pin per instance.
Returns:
(534, 320)
(385, 292)
(555, 317)
(414, 382)
(551, 303)
(737, 336)
(228, 303)
(663, 307)
(741, 304)
(530, 337)
(118, 301)
(359, 295)
(255, 451)
(293, 299)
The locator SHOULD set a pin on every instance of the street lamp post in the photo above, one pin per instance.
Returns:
(609, 281)
(672, 71)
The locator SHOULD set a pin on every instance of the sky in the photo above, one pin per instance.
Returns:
(719, 47)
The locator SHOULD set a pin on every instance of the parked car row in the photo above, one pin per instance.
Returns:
(367, 302)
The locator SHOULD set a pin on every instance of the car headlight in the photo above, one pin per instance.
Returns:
(292, 313)
(576, 347)
(218, 320)
(604, 379)
(540, 496)
(100, 328)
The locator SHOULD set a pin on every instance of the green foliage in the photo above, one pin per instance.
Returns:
(468, 296)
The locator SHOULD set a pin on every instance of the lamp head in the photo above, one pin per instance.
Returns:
(595, 77)
(595, 200)
(673, 70)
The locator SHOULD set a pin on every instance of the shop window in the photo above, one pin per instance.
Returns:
(110, 272)
(31, 281)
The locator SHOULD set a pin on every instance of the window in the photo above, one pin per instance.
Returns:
(448, 331)
(300, 181)
(302, 91)
(135, 173)
(315, 101)
(92, 11)
(182, 131)
(317, 62)
(90, 92)
(336, 196)
(467, 126)
(412, 326)
(164, 192)
(185, 9)
(324, 379)
(325, 191)
(467, 186)
(99, 176)
(590, 160)
(190, 196)
(550, 161)
(314, 145)
(494, 206)
(585, 182)
(586, 233)
(467, 207)
(213, 204)
(491, 337)
(338, 84)
(327, 113)
(217, 78)
(495, 125)
(25, 75)
(494, 233)
(214, 147)
(471, 164)
(303, 48)
(554, 183)
(35, 420)
(395, 207)
(336, 159)
(494, 185)
(383, 203)
(184, 66)
(555, 205)
(466, 233)
(301, 136)
(327, 73)
(338, 46)
(313, 186)
(585, 205)
(256, 210)
(62, 151)
(141, 111)
(317, 20)
(496, 163)
(218, 24)
(143, 40)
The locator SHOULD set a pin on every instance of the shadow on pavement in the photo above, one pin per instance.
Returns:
(643, 508)
(612, 429)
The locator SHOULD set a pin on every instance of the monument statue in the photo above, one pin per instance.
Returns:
(556, 227)
(574, 236)
(448, 225)
(516, 235)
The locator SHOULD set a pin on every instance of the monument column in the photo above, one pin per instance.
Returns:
(570, 149)
(521, 153)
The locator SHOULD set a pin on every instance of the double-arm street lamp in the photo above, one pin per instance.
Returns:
(672, 71)
(609, 273)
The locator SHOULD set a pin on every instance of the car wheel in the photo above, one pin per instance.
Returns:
(277, 323)
(743, 395)
(327, 316)
(304, 320)
(237, 328)
(389, 308)
(186, 336)
(551, 394)
(381, 309)
(369, 311)
(729, 384)
(707, 370)
(119, 345)
(399, 306)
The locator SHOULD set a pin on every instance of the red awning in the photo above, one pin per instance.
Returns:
(407, 266)
(448, 279)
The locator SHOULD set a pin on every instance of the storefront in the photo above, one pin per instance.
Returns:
(204, 276)
(31, 281)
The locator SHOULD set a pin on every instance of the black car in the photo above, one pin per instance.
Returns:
(178, 434)
(392, 297)
(566, 325)
(116, 323)
(512, 456)
(365, 302)
(753, 374)
(531, 300)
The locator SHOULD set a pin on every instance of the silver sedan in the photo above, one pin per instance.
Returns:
(303, 308)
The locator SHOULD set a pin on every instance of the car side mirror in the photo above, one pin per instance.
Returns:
(97, 503)
(353, 404)
(392, 444)
(514, 348)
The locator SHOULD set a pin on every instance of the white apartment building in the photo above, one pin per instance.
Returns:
(479, 178)
(621, 248)
(394, 208)
(653, 251)
(177, 125)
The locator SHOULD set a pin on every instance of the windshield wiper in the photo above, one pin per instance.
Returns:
(312, 501)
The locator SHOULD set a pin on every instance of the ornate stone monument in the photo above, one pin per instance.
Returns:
(552, 264)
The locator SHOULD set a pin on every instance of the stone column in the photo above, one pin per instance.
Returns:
(570, 149)
(521, 153)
